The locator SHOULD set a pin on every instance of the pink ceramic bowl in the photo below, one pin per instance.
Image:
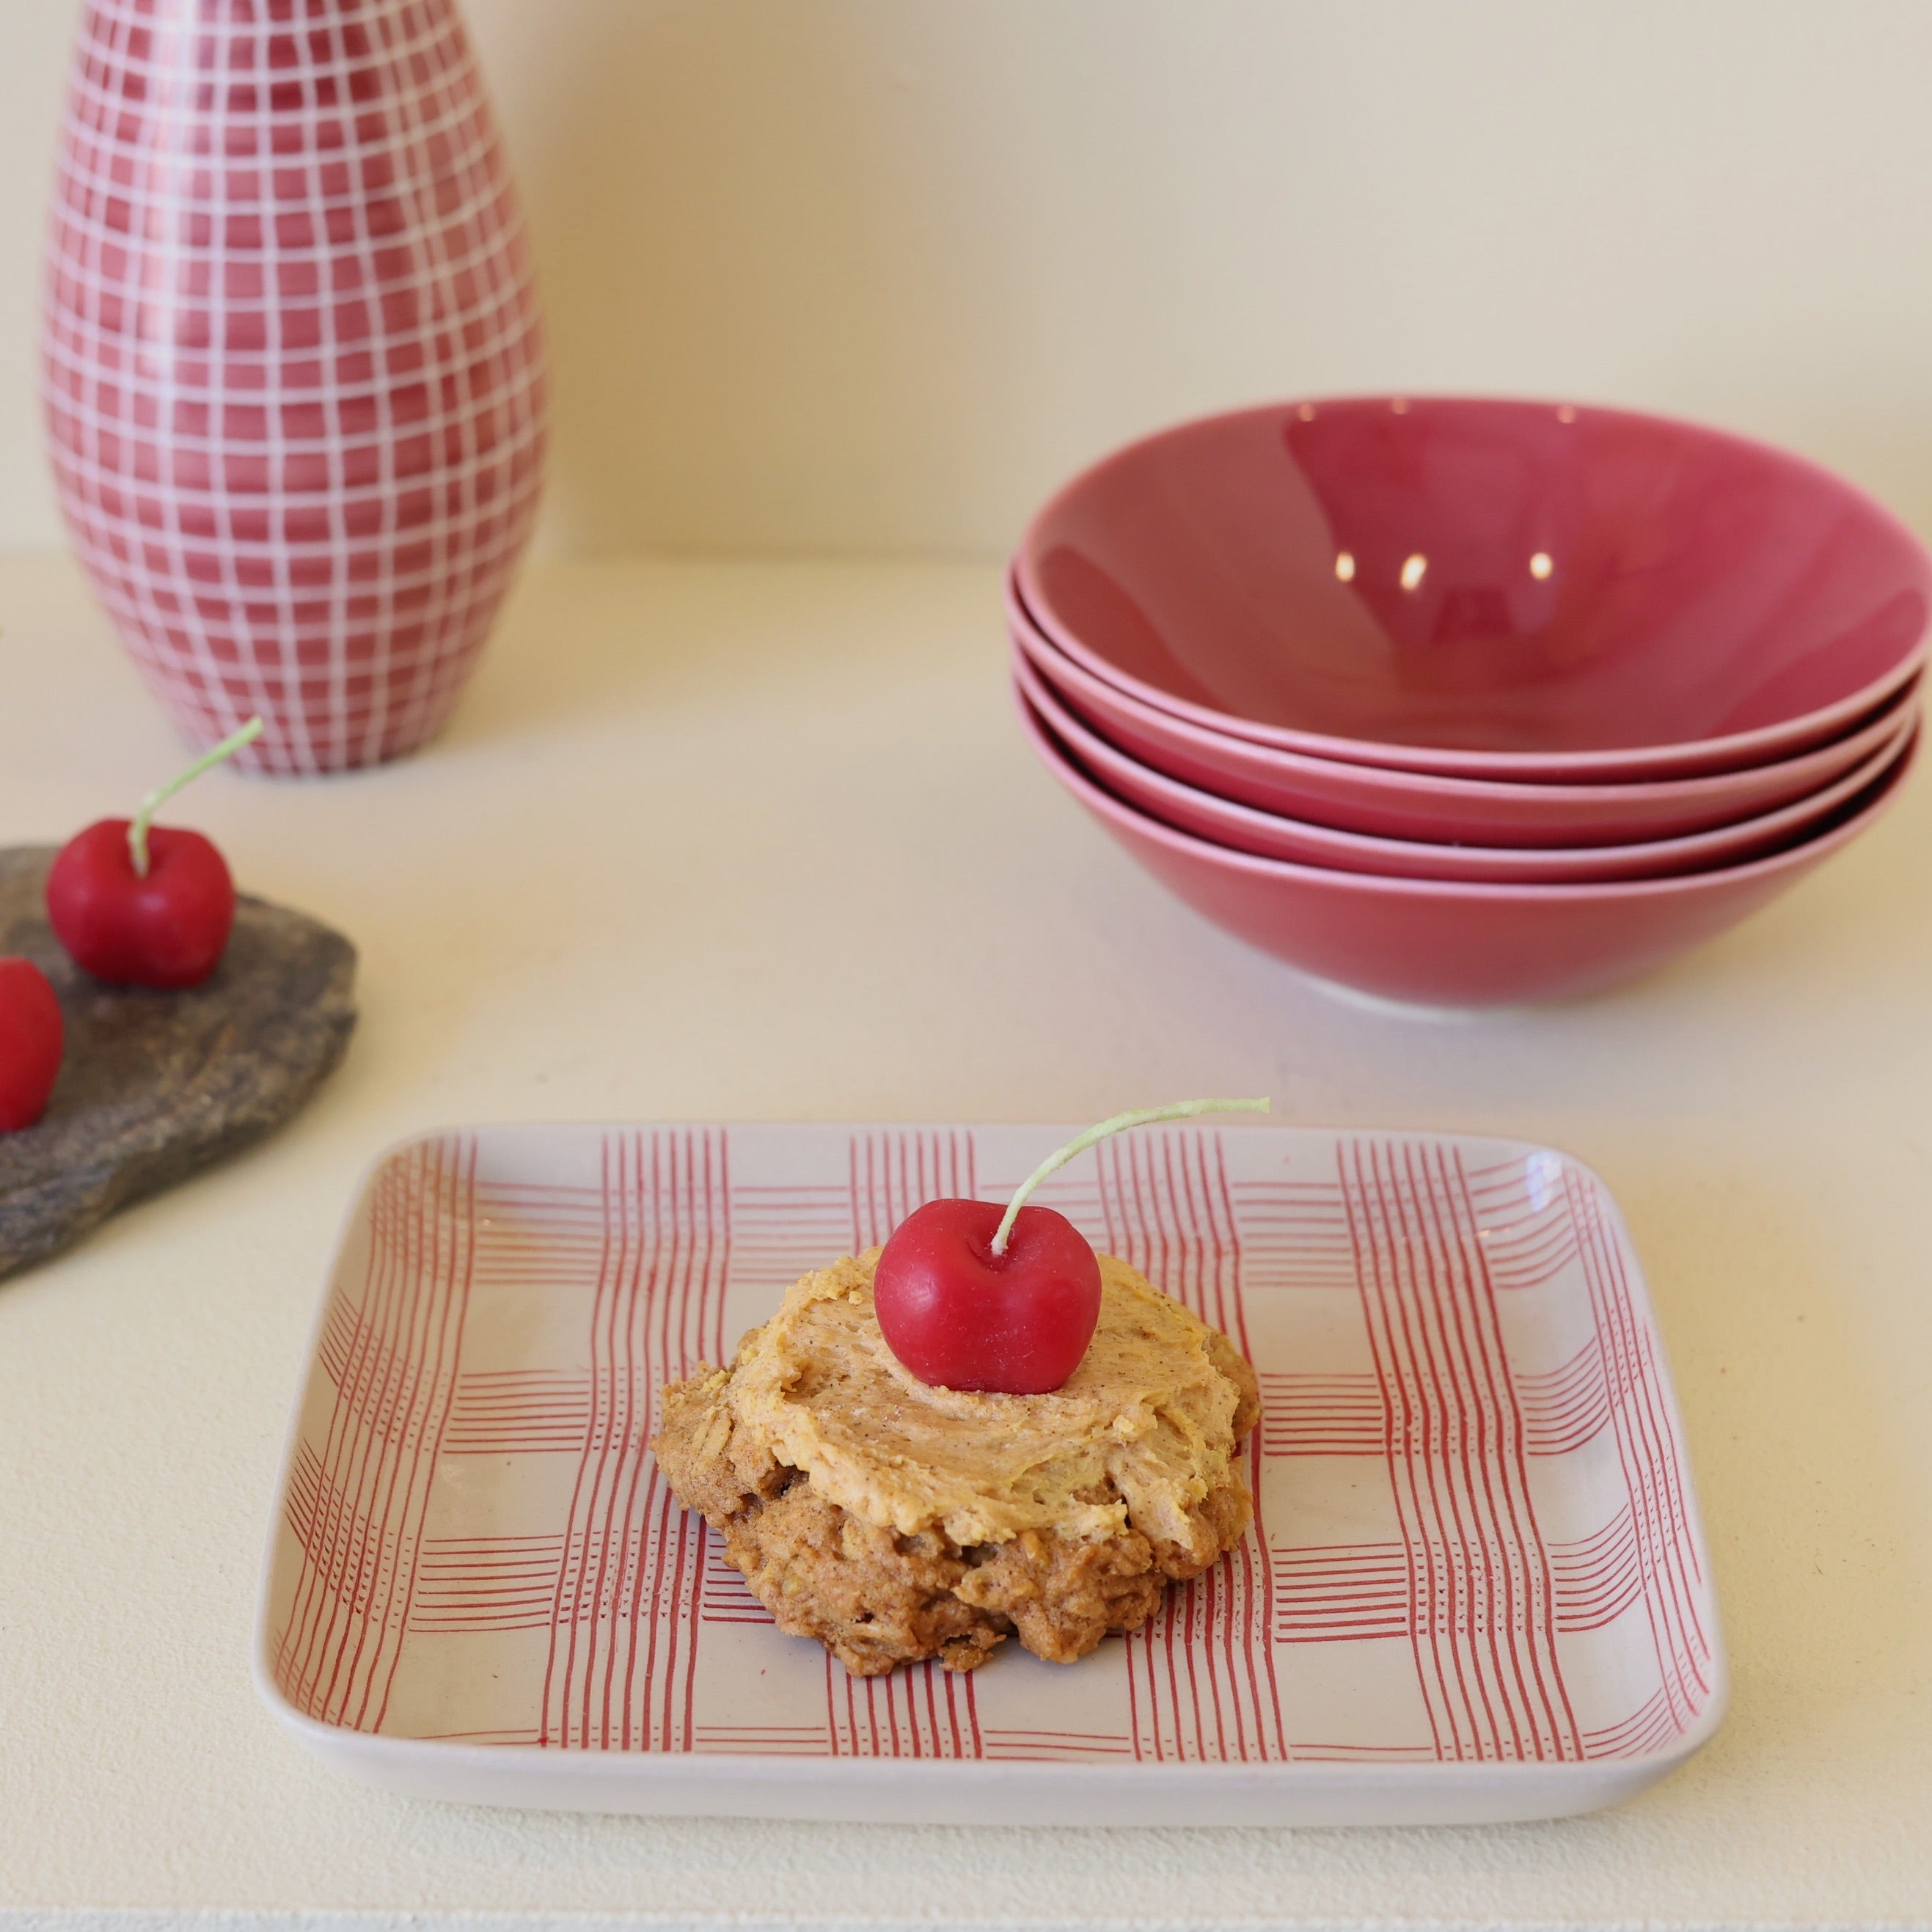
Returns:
(1492, 589)
(1268, 835)
(1444, 942)
(1425, 806)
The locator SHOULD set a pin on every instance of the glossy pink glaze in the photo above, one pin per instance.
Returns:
(1268, 835)
(1451, 944)
(1509, 589)
(1425, 806)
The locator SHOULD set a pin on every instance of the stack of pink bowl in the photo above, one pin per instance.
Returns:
(1470, 702)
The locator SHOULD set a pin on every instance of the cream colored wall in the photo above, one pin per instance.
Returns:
(872, 275)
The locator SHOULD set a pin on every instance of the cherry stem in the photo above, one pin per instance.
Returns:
(137, 832)
(1179, 1110)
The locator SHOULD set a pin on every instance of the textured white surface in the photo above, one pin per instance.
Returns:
(786, 804)
(860, 274)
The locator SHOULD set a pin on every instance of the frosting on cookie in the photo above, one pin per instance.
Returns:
(1142, 1430)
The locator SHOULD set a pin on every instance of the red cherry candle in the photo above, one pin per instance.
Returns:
(141, 904)
(31, 1035)
(969, 1298)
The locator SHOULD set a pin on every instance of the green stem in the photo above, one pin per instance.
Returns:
(1180, 1110)
(137, 832)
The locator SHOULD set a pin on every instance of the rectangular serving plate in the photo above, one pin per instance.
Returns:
(1476, 1589)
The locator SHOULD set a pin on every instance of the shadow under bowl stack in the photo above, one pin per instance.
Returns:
(1470, 703)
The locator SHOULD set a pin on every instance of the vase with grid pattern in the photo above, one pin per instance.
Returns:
(292, 363)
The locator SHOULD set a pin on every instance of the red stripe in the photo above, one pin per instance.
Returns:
(1395, 1386)
(434, 1424)
(1475, 1395)
(952, 1713)
(403, 1373)
(1484, 1630)
(622, 1351)
(666, 1288)
(1230, 1605)
(1531, 1626)
(324, 1592)
(563, 1629)
(1446, 1516)
(1261, 1607)
(1470, 1472)
(633, 1601)
(368, 1492)
(608, 1354)
(1168, 1206)
(1648, 1450)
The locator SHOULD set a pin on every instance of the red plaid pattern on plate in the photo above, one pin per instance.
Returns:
(291, 365)
(1475, 1545)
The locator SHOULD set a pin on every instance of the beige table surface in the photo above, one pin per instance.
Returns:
(735, 840)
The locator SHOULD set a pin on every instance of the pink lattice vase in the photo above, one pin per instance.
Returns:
(292, 361)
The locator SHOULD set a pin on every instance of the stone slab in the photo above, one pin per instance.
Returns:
(156, 1085)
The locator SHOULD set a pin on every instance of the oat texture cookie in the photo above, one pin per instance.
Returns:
(893, 1520)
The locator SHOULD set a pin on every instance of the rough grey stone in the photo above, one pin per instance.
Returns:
(154, 1085)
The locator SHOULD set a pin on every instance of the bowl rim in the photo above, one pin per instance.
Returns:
(1085, 743)
(1677, 757)
(1275, 761)
(1103, 804)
